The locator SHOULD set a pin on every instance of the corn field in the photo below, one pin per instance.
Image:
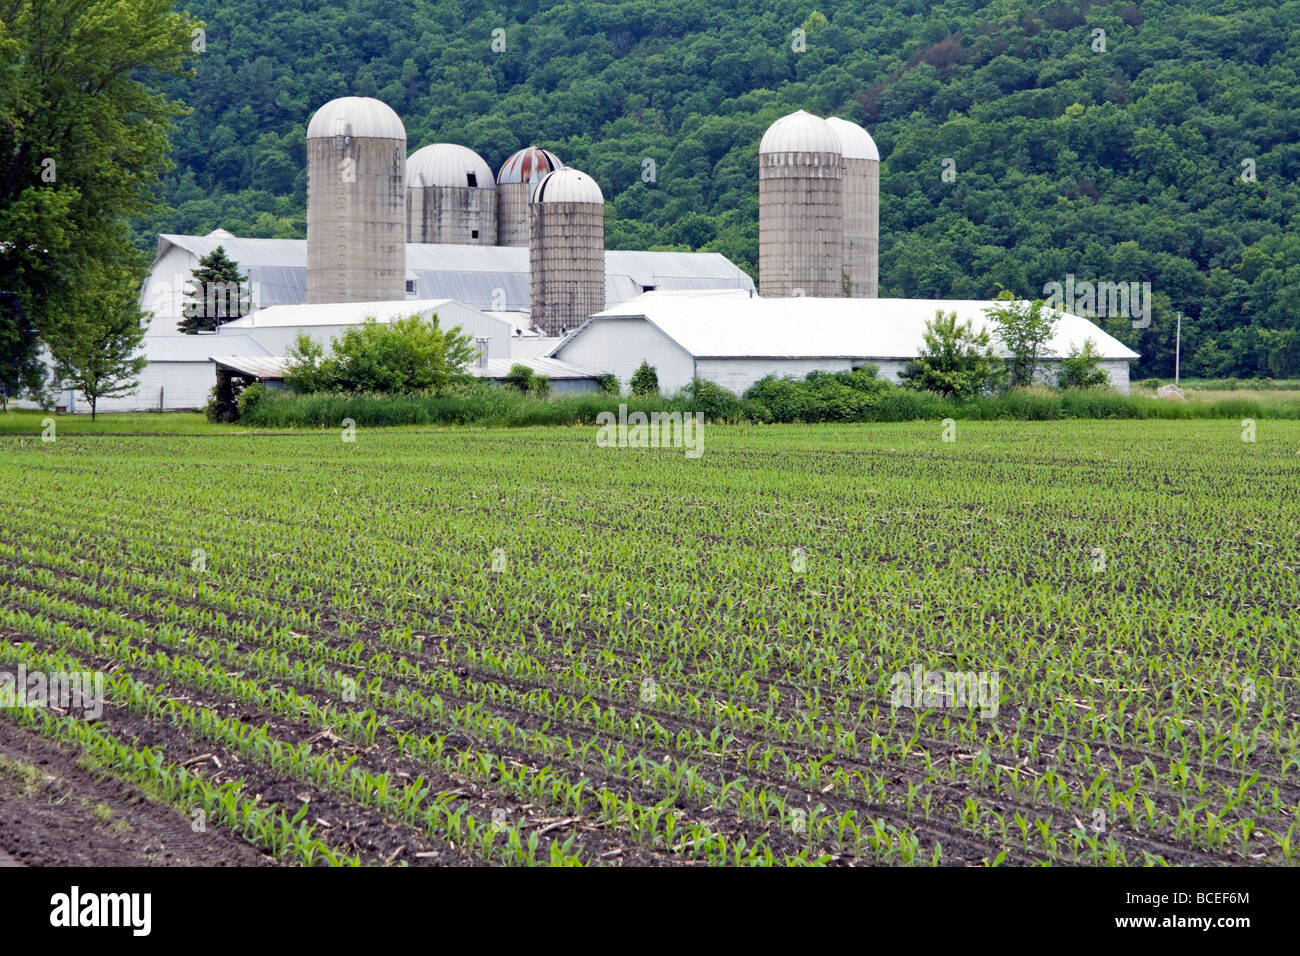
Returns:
(514, 647)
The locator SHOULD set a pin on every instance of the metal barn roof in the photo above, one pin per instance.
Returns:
(736, 325)
(551, 368)
(340, 313)
(258, 366)
(197, 348)
(483, 277)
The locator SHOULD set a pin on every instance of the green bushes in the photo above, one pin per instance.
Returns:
(405, 355)
(474, 404)
(645, 380)
(1082, 368)
(820, 397)
(957, 360)
(527, 381)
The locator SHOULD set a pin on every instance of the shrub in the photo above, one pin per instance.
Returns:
(713, 401)
(956, 360)
(609, 383)
(405, 355)
(1082, 368)
(1024, 328)
(249, 397)
(520, 377)
(645, 380)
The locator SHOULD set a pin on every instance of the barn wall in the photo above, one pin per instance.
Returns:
(163, 292)
(738, 374)
(619, 346)
(185, 385)
(473, 323)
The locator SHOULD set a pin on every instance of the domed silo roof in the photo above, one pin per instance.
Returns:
(356, 116)
(528, 165)
(447, 164)
(799, 132)
(568, 185)
(855, 141)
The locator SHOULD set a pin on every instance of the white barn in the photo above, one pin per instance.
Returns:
(178, 377)
(735, 339)
(489, 278)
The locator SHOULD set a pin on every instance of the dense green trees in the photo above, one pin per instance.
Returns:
(1170, 157)
(83, 140)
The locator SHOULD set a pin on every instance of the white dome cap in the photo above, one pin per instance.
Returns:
(855, 141)
(567, 185)
(447, 164)
(528, 165)
(356, 116)
(799, 132)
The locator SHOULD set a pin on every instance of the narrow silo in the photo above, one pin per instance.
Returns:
(566, 251)
(450, 196)
(356, 202)
(515, 182)
(800, 208)
(861, 208)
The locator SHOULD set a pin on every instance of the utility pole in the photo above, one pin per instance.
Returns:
(1178, 345)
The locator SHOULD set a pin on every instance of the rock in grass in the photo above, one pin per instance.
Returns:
(1171, 391)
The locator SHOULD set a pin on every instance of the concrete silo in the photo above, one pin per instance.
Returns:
(518, 177)
(356, 202)
(861, 208)
(566, 251)
(800, 208)
(450, 196)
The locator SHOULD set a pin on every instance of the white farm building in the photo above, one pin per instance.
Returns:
(735, 339)
(489, 278)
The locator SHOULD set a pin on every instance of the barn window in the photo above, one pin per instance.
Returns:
(473, 234)
(410, 285)
(473, 180)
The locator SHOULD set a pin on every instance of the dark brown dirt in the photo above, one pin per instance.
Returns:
(53, 812)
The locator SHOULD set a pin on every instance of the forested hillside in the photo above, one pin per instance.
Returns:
(1169, 156)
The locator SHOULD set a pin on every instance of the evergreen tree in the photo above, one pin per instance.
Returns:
(218, 294)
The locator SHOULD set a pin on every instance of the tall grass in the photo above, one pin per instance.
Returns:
(501, 407)
(490, 407)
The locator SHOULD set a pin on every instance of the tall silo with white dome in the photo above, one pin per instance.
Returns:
(451, 196)
(356, 202)
(800, 208)
(566, 253)
(861, 208)
(519, 175)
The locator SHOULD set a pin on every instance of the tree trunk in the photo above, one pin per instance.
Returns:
(92, 409)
